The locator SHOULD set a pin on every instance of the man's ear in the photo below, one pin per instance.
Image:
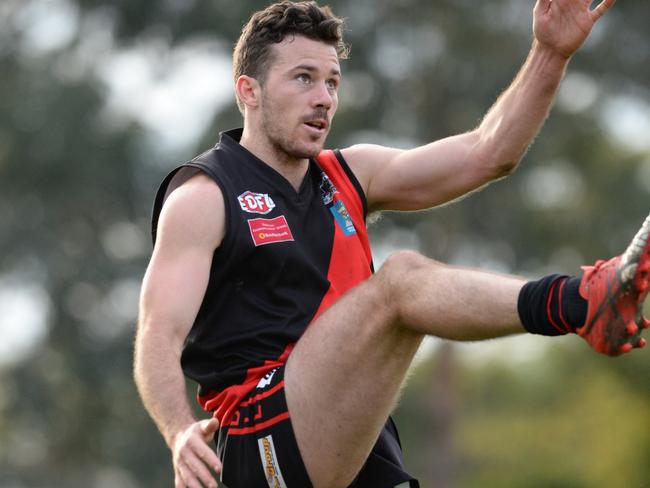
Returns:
(248, 91)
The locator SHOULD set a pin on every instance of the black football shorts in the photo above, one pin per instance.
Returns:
(259, 449)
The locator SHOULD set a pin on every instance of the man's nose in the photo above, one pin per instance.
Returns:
(323, 97)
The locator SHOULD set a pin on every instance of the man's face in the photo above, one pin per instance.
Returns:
(299, 96)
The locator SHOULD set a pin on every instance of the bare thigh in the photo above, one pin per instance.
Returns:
(344, 375)
(341, 382)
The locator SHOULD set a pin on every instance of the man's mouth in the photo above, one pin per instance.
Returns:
(319, 125)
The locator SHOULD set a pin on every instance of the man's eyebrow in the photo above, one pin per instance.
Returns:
(310, 68)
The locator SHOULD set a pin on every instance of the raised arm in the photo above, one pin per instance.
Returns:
(190, 228)
(446, 169)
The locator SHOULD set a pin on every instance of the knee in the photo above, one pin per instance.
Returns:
(405, 262)
(402, 268)
(404, 277)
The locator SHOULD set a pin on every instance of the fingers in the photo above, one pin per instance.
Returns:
(600, 10)
(185, 478)
(178, 481)
(208, 457)
(194, 460)
(209, 427)
(195, 474)
(192, 473)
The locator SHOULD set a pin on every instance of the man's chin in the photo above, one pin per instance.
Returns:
(303, 148)
(309, 151)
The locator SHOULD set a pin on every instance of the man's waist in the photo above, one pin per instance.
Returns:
(224, 402)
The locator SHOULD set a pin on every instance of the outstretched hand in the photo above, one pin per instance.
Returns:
(563, 25)
(194, 460)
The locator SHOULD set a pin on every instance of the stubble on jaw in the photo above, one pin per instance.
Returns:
(281, 143)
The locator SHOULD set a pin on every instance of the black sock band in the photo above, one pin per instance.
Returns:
(552, 305)
(533, 304)
(573, 306)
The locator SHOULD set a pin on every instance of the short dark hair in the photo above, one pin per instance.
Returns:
(252, 55)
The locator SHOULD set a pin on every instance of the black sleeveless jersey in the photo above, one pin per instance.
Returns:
(285, 257)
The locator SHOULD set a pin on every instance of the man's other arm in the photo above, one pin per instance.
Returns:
(190, 228)
(446, 169)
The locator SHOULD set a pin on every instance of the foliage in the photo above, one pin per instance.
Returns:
(77, 178)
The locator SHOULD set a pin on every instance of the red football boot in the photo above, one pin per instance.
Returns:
(615, 291)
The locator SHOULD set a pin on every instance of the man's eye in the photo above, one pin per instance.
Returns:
(332, 84)
(304, 78)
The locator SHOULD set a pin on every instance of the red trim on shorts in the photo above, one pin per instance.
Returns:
(261, 396)
(258, 427)
(224, 403)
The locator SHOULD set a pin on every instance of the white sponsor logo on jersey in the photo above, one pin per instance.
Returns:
(260, 203)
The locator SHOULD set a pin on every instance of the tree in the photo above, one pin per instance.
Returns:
(78, 172)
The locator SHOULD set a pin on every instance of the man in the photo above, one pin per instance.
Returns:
(261, 283)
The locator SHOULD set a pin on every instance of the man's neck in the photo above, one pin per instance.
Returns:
(292, 169)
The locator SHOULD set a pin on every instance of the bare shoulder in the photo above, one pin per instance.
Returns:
(193, 214)
(190, 228)
(366, 161)
(368, 154)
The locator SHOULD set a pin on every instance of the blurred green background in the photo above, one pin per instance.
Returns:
(99, 99)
